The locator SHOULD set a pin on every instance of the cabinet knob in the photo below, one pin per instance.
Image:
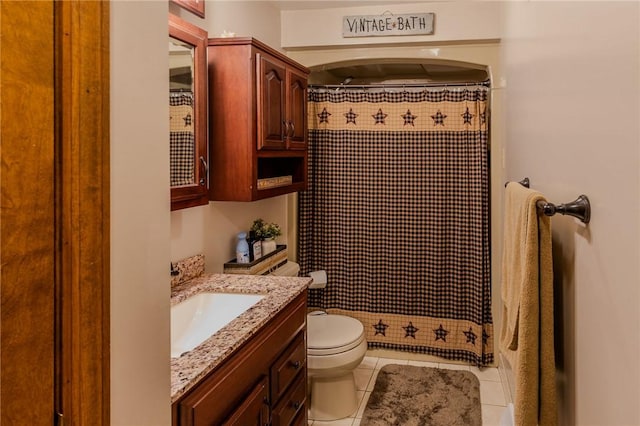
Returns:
(296, 405)
(265, 400)
(295, 364)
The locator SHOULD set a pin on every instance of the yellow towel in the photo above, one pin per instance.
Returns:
(526, 336)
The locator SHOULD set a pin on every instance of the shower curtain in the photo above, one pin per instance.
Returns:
(397, 213)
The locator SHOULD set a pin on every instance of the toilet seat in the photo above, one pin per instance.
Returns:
(332, 334)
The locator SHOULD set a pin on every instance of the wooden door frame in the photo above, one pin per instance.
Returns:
(55, 213)
(82, 211)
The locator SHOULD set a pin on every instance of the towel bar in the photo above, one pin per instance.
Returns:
(524, 182)
(580, 207)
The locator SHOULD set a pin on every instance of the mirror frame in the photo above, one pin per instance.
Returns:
(196, 194)
(194, 6)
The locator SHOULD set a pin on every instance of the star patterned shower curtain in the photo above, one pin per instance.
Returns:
(397, 213)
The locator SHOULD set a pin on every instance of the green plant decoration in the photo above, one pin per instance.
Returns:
(264, 230)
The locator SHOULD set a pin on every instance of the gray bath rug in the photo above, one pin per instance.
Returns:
(405, 395)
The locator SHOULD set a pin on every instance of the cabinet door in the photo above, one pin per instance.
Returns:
(272, 126)
(254, 410)
(296, 109)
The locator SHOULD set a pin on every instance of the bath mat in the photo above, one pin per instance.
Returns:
(411, 396)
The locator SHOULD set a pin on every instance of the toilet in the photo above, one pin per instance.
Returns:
(336, 345)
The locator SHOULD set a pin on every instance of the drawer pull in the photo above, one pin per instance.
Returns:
(295, 364)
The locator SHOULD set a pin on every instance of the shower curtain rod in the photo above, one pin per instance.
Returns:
(399, 85)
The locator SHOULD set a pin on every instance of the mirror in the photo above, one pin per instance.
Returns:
(187, 114)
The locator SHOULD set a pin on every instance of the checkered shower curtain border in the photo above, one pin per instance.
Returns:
(397, 213)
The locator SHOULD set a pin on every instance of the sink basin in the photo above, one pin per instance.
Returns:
(194, 320)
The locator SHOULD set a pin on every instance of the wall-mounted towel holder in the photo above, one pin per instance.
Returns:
(580, 207)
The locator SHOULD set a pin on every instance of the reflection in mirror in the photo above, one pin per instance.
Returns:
(187, 114)
(182, 138)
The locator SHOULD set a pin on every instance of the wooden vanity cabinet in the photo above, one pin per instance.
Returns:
(262, 383)
(258, 121)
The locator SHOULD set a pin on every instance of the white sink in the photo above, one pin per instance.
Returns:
(196, 319)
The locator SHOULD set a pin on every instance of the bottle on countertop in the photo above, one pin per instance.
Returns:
(242, 248)
(255, 247)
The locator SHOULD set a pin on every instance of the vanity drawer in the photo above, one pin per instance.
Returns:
(284, 370)
(293, 402)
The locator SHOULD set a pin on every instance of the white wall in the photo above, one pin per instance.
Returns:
(212, 229)
(573, 84)
(323, 27)
(140, 384)
(245, 18)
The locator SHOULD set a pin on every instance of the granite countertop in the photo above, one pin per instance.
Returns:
(192, 366)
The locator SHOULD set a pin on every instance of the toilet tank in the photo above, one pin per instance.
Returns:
(292, 269)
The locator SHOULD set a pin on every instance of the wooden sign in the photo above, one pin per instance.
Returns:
(387, 25)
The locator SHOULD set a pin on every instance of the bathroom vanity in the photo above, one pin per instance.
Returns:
(253, 370)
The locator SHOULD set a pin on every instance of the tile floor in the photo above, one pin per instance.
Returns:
(494, 392)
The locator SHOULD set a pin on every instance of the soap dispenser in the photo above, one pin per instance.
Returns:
(242, 248)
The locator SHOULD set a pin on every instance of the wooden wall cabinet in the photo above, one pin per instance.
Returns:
(258, 121)
(262, 383)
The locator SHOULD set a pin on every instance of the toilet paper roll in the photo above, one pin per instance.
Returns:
(319, 279)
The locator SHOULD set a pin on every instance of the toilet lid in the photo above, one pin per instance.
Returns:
(329, 334)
